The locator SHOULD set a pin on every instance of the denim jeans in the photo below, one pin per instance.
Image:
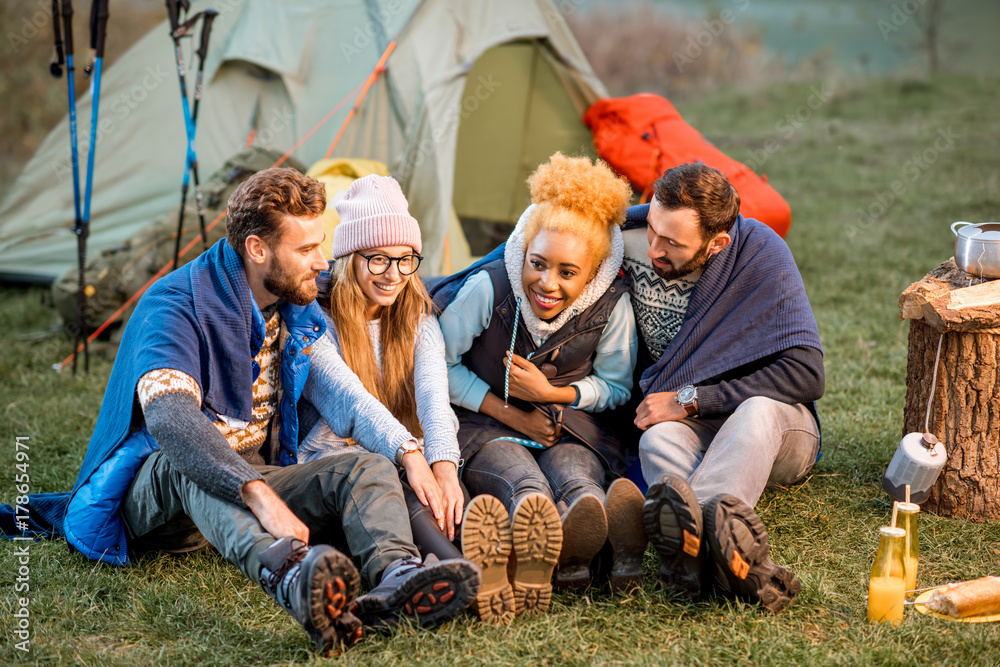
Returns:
(763, 443)
(353, 501)
(510, 471)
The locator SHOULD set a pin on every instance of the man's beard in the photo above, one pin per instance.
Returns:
(694, 264)
(282, 284)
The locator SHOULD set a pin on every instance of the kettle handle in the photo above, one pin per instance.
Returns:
(955, 231)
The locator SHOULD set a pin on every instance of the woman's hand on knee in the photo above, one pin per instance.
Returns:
(424, 484)
(446, 474)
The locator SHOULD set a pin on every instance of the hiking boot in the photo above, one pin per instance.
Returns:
(624, 507)
(673, 522)
(537, 540)
(584, 532)
(737, 541)
(486, 541)
(429, 592)
(316, 585)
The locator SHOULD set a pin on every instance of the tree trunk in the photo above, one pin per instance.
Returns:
(965, 414)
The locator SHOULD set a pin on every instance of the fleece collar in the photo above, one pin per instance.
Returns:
(514, 255)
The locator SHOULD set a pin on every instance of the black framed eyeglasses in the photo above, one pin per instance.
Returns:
(379, 264)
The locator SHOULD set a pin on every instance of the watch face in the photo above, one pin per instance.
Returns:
(686, 395)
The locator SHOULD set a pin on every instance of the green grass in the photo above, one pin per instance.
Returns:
(200, 610)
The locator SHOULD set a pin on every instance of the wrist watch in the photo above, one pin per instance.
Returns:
(687, 398)
(406, 448)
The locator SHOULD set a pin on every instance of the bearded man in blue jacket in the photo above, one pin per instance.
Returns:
(197, 435)
(731, 366)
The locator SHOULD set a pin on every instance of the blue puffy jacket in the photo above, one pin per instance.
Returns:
(201, 320)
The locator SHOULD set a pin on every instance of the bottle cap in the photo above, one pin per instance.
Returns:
(889, 531)
(909, 508)
(929, 440)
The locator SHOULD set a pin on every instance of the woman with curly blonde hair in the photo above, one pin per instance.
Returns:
(539, 344)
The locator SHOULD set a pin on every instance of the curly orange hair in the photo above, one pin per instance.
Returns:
(576, 195)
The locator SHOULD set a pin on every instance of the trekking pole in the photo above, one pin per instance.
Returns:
(179, 31)
(65, 46)
(206, 28)
(98, 31)
(55, 68)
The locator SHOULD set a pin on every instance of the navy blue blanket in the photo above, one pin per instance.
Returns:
(748, 304)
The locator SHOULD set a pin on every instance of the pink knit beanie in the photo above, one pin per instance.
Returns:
(374, 213)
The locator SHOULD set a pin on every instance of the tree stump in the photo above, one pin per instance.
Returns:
(965, 414)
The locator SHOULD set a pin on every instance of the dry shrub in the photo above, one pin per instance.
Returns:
(642, 49)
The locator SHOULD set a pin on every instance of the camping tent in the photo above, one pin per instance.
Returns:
(474, 97)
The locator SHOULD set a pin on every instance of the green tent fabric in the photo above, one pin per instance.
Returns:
(474, 96)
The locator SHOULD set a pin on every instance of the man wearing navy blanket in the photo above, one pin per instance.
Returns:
(197, 437)
(731, 365)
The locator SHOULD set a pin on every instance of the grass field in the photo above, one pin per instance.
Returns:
(832, 150)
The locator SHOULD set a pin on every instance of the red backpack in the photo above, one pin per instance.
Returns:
(641, 136)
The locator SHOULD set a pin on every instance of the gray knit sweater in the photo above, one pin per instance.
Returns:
(373, 426)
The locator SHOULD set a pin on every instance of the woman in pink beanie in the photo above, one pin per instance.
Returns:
(383, 335)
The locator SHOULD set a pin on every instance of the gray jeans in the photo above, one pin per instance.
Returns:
(510, 471)
(763, 443)
(353, 501)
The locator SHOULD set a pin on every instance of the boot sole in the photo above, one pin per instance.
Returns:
(537, 539)
(487, 542)
(584, 532)
(674, 525)
(738, 542)
(624, 508)
(432, 596)
(334, 583)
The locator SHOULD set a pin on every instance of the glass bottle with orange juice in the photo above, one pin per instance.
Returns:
(888, 581)
(911, 544)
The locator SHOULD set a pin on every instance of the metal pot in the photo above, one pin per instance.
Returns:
(977, 248)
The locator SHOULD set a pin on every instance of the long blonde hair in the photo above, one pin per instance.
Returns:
(394, 386)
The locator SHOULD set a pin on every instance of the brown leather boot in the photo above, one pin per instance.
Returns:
(625, 533)
(585, 530)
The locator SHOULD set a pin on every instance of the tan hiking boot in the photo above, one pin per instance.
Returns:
(486, 541)
(537, 539)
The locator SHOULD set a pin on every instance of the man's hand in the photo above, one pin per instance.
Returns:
(659, 407)
(446, 474)
(529, 383)
(272, 512)
(424, 484)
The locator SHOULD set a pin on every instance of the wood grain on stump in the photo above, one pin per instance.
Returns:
(965, 413)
